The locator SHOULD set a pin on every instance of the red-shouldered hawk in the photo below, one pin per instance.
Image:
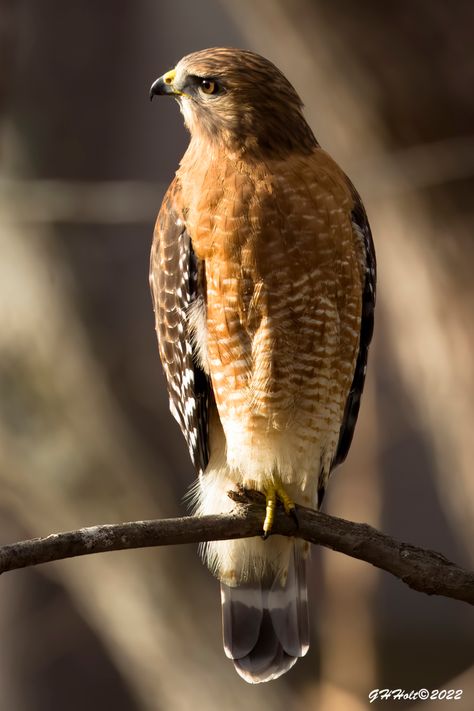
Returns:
(263, 282)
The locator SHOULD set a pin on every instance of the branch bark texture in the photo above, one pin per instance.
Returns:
(421, 569)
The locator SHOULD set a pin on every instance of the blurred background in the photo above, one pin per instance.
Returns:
(85, 432)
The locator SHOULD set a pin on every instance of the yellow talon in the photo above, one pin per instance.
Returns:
(270, 495)
(288, 504)
(272, 492)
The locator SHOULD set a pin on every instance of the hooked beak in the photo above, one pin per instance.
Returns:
(164, 86)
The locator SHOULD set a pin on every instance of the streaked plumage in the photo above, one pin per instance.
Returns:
(263, 279)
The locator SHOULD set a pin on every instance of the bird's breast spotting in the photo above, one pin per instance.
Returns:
(283, 284)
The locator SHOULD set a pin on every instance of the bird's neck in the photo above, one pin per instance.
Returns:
(277, 140)
(205, 155)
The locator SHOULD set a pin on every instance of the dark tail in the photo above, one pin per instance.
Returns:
(265, 624)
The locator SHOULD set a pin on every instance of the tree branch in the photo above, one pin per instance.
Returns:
(423, 570)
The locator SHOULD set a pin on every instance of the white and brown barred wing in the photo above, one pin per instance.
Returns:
(175, 285)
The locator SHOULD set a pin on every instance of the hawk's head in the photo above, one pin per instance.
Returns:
(238, 98)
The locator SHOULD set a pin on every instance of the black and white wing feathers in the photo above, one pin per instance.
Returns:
(175, 280)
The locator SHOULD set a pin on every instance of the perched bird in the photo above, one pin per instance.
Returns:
(263, 283)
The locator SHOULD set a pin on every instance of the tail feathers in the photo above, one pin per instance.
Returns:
(266, 624)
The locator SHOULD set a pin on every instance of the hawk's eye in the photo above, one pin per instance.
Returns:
(208, 86)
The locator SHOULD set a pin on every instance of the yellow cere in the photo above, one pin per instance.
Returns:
(168, 78)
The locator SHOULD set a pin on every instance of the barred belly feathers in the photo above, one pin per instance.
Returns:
(263, 281)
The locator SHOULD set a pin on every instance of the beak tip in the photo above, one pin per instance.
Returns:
(163, 86)
(153, 90)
